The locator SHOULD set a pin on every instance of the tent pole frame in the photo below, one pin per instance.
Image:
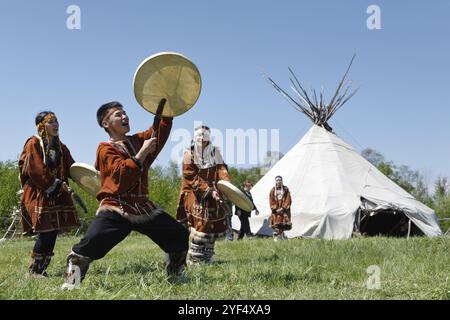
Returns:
(409, 228)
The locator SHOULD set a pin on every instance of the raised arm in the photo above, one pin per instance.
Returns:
(162, 134)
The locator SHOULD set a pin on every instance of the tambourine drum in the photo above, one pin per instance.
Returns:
(86, 176)
(170, 76)
(235, 195)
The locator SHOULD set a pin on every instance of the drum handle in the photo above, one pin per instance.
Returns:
(222, 203)
(157, 120)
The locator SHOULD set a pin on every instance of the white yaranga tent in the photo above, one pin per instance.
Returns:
(332, 186)
(335, 191)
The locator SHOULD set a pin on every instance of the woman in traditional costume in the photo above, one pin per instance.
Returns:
(46, 205)
(200, 206)
(280, 204)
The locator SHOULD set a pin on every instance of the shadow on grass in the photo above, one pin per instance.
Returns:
(116, 268)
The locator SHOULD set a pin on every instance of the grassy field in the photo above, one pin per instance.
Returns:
(417, 268)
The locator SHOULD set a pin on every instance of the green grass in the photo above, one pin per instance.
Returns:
(417, 268)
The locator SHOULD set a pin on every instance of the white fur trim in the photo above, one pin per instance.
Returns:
(195, 233)
(41, 143)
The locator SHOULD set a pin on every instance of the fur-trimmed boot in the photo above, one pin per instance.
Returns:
(195, 254)
(75, 270)
(39, 262)
(201, 251)
(48, 259)
(209, 252)
(175, 264)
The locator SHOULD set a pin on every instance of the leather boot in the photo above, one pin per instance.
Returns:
(175, 263)
(75, 270)
(38, 264)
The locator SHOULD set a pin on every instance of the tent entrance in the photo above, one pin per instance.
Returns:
(388, 223)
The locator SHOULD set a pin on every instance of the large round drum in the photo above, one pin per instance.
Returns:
(235, 195)
(86, 176)
(170, 76)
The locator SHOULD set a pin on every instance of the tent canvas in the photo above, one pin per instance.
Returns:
(329, 181)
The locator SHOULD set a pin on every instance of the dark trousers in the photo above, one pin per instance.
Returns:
(45, 242)
(245, 226)
(109, 228)
(229, 227)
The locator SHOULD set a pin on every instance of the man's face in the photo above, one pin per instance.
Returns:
(52, 127)
(117, 122)
(278, 182)
(247, 187)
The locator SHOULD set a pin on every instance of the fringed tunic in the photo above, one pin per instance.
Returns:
(280, 198)
(205, 216)
(42, 212)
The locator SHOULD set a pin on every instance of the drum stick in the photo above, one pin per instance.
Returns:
(76, 198)
(157, 120)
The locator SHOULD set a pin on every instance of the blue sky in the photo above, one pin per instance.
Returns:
(403, 70)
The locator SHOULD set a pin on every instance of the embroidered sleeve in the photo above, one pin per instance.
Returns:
(287, 201)
(222, 171)
(165, 125)
(68, 160)
(273, 201)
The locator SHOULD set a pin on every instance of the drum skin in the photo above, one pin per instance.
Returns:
(170, 76)
(86, 176)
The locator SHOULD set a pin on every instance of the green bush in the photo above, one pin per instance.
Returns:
(239, 176)
(9, 186)
(441, 202)
(164, 187)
